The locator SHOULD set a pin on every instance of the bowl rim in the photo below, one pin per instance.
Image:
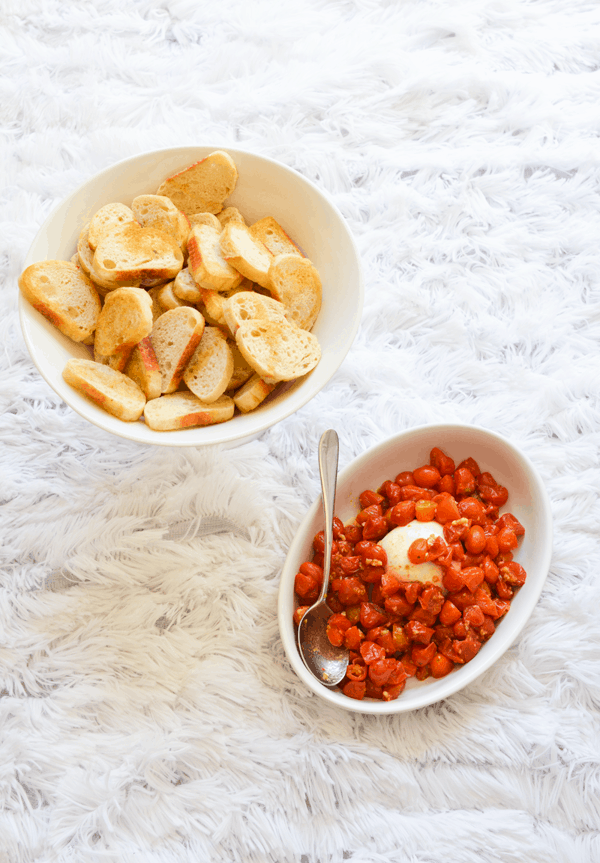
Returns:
(459, 678)
(213, 434)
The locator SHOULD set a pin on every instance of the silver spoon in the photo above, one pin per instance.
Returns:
(326, 662)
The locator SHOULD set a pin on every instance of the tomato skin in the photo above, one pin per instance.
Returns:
(507, 519)
(427, 476)
(353, 533)
(299, 613)
(371, 615)
(380, 670)
(405, 477)
(389, 584)
(475, 539)
(402, 513)
(306, 587)
(425, 510)
(352, 591)
(449, 613)
(373, 511)
(350, 565)
(473, 576)
(368, 498)
(440, 666)
(418, 632)
(467, 649)
(355, 689)
(470, 464)
(446, 485)
(423, 655)
(375, 527)
(497, 496)
(441, 461)
(446, 508)
(356, 672)
(490, 570)
(391, 490)
(473, 509)
(353, 638)
(513, 574)
(464, 481)
(371, 652)
(398, 604)
(418, 551)
(453, 580)
(414, 492)
(507, 540)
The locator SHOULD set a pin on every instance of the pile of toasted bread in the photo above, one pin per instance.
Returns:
(191, 312)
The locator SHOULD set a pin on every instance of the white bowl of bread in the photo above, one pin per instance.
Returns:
(191, 296)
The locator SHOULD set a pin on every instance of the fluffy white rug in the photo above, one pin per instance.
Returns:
(147, 711)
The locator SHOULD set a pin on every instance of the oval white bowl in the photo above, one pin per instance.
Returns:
(265, 188)
(528, 501)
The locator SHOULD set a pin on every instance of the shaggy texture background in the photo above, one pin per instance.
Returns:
(147, 711)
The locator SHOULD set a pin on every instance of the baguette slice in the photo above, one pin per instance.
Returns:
(63, 293)
(85, 253)
(214, 302)
(205, 219)
(296, 283)
(206, 263)
(186, 288)
(247, 255)
(209, 371)
(203, 186)
(157, 309)
(241, 370)
(185, 410)
(278, 351)
(109, 389)
(269, 232)
(168, 299)
(230, 214)
(249, 306)
(125, 319)
(175, 337)
(158, 211)
(252, 394)
(133, 253)
(107, 218)
(143, 369)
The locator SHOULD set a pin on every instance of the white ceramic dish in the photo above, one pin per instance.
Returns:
(265, 188)
(528, 501)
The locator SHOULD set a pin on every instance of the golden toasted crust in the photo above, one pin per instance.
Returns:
(278, 351)
(250, 306)
(209, 370)
(109, 389)
(203, 186)
(185, 410)
(107, 218)
(296, 283)
(206, 263)
(186, 288)
(252, 393)
(62, 292)
(249, 256)
(143, 369)
(125, 319)
(133, 253)
(270, 232)
(175, 337)
(158, 211)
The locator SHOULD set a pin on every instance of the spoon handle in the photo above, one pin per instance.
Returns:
(328, 467)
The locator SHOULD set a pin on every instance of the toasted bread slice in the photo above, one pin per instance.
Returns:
(168, 299)
(185, 410)
(296, 283)
(247, 255)
(206, 263)
(109, 389)
(214, 302)
(278, 351)
(252, 393)
(269, 232)
(63, 293)
(175, 337)
(157, 309)
(107, 218)
(158, 211)
(186, 288)
(249, 306)
(142, 368)
(125, 319)
(211, 366)
(205, 219)
(85, 253)
(242, 372)
(133, 253)
(230, 214)
(203, 186)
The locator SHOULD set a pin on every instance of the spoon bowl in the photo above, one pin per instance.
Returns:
(327, 662)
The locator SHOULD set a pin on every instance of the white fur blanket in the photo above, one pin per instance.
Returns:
(147, 711)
